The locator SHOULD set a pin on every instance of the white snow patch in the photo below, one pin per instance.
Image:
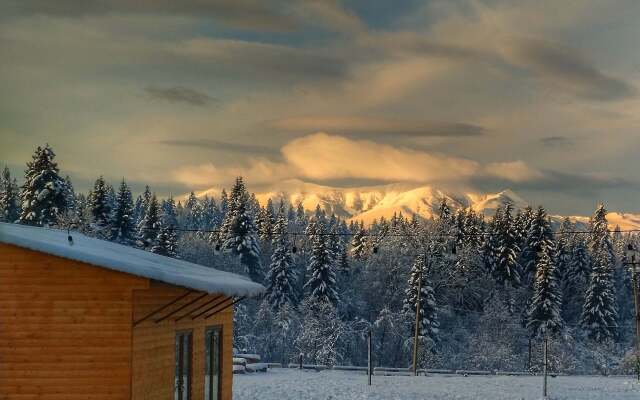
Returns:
(127, 259)
(284, 384)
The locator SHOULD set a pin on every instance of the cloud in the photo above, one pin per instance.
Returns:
(513, 171)
(356, 125)
(261, 60)
(258, 171)
(244, 14)
(321, 157)
(567, 67)
(331, 15)
(178, 94)
(217, 145)
(557, 141)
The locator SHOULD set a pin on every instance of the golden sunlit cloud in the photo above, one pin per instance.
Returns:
(324, 157)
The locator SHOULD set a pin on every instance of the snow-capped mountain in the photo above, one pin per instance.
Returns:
(368, 203)
(373, 202)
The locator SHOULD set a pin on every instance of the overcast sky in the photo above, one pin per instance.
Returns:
(538, 96)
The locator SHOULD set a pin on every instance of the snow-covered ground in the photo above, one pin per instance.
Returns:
(285, 384)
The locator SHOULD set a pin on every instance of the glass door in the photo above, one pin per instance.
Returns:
(182, 383)
(212, 368)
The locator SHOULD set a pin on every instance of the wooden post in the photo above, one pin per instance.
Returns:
(300, 360)
(544, 366)
(369, 359)
(529, 362)
(417, 327)
(636, 290)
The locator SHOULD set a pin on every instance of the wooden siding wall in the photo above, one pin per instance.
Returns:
(154, 345)
(65, 328)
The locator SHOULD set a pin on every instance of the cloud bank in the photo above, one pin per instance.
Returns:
(324, 157)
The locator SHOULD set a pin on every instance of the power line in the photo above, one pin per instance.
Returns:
(382, 234)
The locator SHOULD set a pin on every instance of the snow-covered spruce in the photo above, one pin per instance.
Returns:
(429, 325)
(100, 207)
(505, 250)
(9, 200)
(43, 191)
(240, 233)
(539, 235)
(599, 313)
(149, 227)
(123, 227)
(281, 277)
(322, 280)
(166, 242)
(543, 317)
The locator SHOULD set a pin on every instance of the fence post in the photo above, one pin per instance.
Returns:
(369, 363)
(300, 361)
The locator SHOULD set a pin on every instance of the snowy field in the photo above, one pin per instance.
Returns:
(285, 384)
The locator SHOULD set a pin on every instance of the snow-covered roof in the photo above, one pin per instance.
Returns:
(127, 259)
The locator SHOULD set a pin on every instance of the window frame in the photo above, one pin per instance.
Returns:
(179, 363)
(208, 360)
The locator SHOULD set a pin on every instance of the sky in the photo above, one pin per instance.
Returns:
(542, 97)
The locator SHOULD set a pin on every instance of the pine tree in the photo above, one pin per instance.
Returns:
(9, 205)
(491, 242)
(209, 214)
(166, 242)
(142, 204)
(99, 205)
(266, 221)
(564, 245)
(505, 266)
(444, 211)
(301, 217)
(281, 278)
(429, 325)
(342, 261)
(43, 192)
(322, 282)
(539, 235)
(240, 237)
(192, 212)
(70, 195)
(123, 228)
(544, 310)
(359, 243)
(599, 314)
(149, 227)
(169, 213)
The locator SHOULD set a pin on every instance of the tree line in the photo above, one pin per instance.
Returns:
(490, 288)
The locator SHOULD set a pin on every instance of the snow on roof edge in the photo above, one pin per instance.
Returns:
(129, 260)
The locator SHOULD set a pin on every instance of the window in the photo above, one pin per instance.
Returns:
(182, 385)
(212, 368)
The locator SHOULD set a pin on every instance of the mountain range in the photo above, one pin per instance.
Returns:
(369, 203)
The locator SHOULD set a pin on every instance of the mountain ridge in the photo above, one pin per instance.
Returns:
(369, 203)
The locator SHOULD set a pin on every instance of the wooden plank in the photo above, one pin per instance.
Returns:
(66, 328)
(162, 308)
(174, 312)
(154, 347)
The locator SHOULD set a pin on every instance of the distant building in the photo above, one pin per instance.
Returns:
(91, 319)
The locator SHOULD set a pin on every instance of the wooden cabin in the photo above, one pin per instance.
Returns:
(82, 318)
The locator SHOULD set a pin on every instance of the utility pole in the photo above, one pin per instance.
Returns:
(544, 366)
(634, 282)
(634, 267)
(369, 360)
(529, 359)
(417, 327)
